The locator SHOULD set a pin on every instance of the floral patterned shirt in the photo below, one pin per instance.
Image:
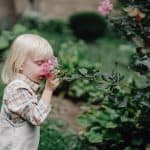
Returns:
(21, 102)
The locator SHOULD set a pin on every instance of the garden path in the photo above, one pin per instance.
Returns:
(66, 110)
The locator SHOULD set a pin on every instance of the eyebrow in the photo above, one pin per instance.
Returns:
(39, 60)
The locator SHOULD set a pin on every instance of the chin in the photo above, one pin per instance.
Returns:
(41, 77)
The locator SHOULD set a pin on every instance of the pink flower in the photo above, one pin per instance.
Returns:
(53, 61)
(105, 7)
(49, 66)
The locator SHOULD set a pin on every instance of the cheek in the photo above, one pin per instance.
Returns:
(25, 68)
(38, 68)
(35, 68)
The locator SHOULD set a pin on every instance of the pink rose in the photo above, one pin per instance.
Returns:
(105, 7)
(49, 66)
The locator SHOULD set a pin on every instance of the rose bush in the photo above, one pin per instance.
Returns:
(121, 119)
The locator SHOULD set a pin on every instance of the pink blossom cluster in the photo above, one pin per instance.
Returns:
(49, 66)
(105, 7)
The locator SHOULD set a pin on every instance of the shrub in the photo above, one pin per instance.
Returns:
(30, 22)
(72, 58)
(87, 25)
(56, 26)
(7, 37)
(3, 45)
(52, 25)
(55, 135)
(121, 120)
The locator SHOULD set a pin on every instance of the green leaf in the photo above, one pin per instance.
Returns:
(86, 119)
(124, 119)
(105, 76)
(146, 103)
(4, 43)
(111, 135)
(137, 141)
(83, 71)
(75, 76)
(111, 112)
(19, 28)
(111, 125)
(94, 135)
(128, 148)
(148, 146)
(123, 103)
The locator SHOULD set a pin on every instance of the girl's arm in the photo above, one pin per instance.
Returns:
(24, 104)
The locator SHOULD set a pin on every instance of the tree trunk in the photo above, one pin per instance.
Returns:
(8, 14)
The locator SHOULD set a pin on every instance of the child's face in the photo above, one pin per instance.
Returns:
(33, 69)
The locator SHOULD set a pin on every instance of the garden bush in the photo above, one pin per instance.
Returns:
(6, 37)
(56, 26)
(31, 22)
(56, 135)
(87, 25)
(72, 59)
(121, 120)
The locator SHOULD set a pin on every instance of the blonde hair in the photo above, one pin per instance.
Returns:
(23, 47)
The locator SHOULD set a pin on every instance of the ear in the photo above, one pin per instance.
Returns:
(21, 68)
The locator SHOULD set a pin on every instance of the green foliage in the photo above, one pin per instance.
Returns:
(56, 135)
(134, 24)
(19, 29)
(50, 26)
(4, 43)
(73, 71)
(7, 37)
(100, 124)
(87, 25)
(56, 26)
(72, 53)
(121, 120)
(80, 89)
(86, 84)
(31, 22)
(1, 93)
(141, 63)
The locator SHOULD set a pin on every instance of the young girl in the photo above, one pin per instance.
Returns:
(22, 110)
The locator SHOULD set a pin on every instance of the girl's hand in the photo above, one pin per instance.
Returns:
(52, 82)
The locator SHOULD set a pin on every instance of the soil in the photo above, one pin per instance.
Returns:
(66, 110)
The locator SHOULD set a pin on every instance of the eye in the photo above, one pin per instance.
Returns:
(39, 63)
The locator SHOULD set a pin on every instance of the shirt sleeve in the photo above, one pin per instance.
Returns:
(23, 103)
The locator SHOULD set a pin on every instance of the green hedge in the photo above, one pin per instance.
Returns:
(87, 25)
